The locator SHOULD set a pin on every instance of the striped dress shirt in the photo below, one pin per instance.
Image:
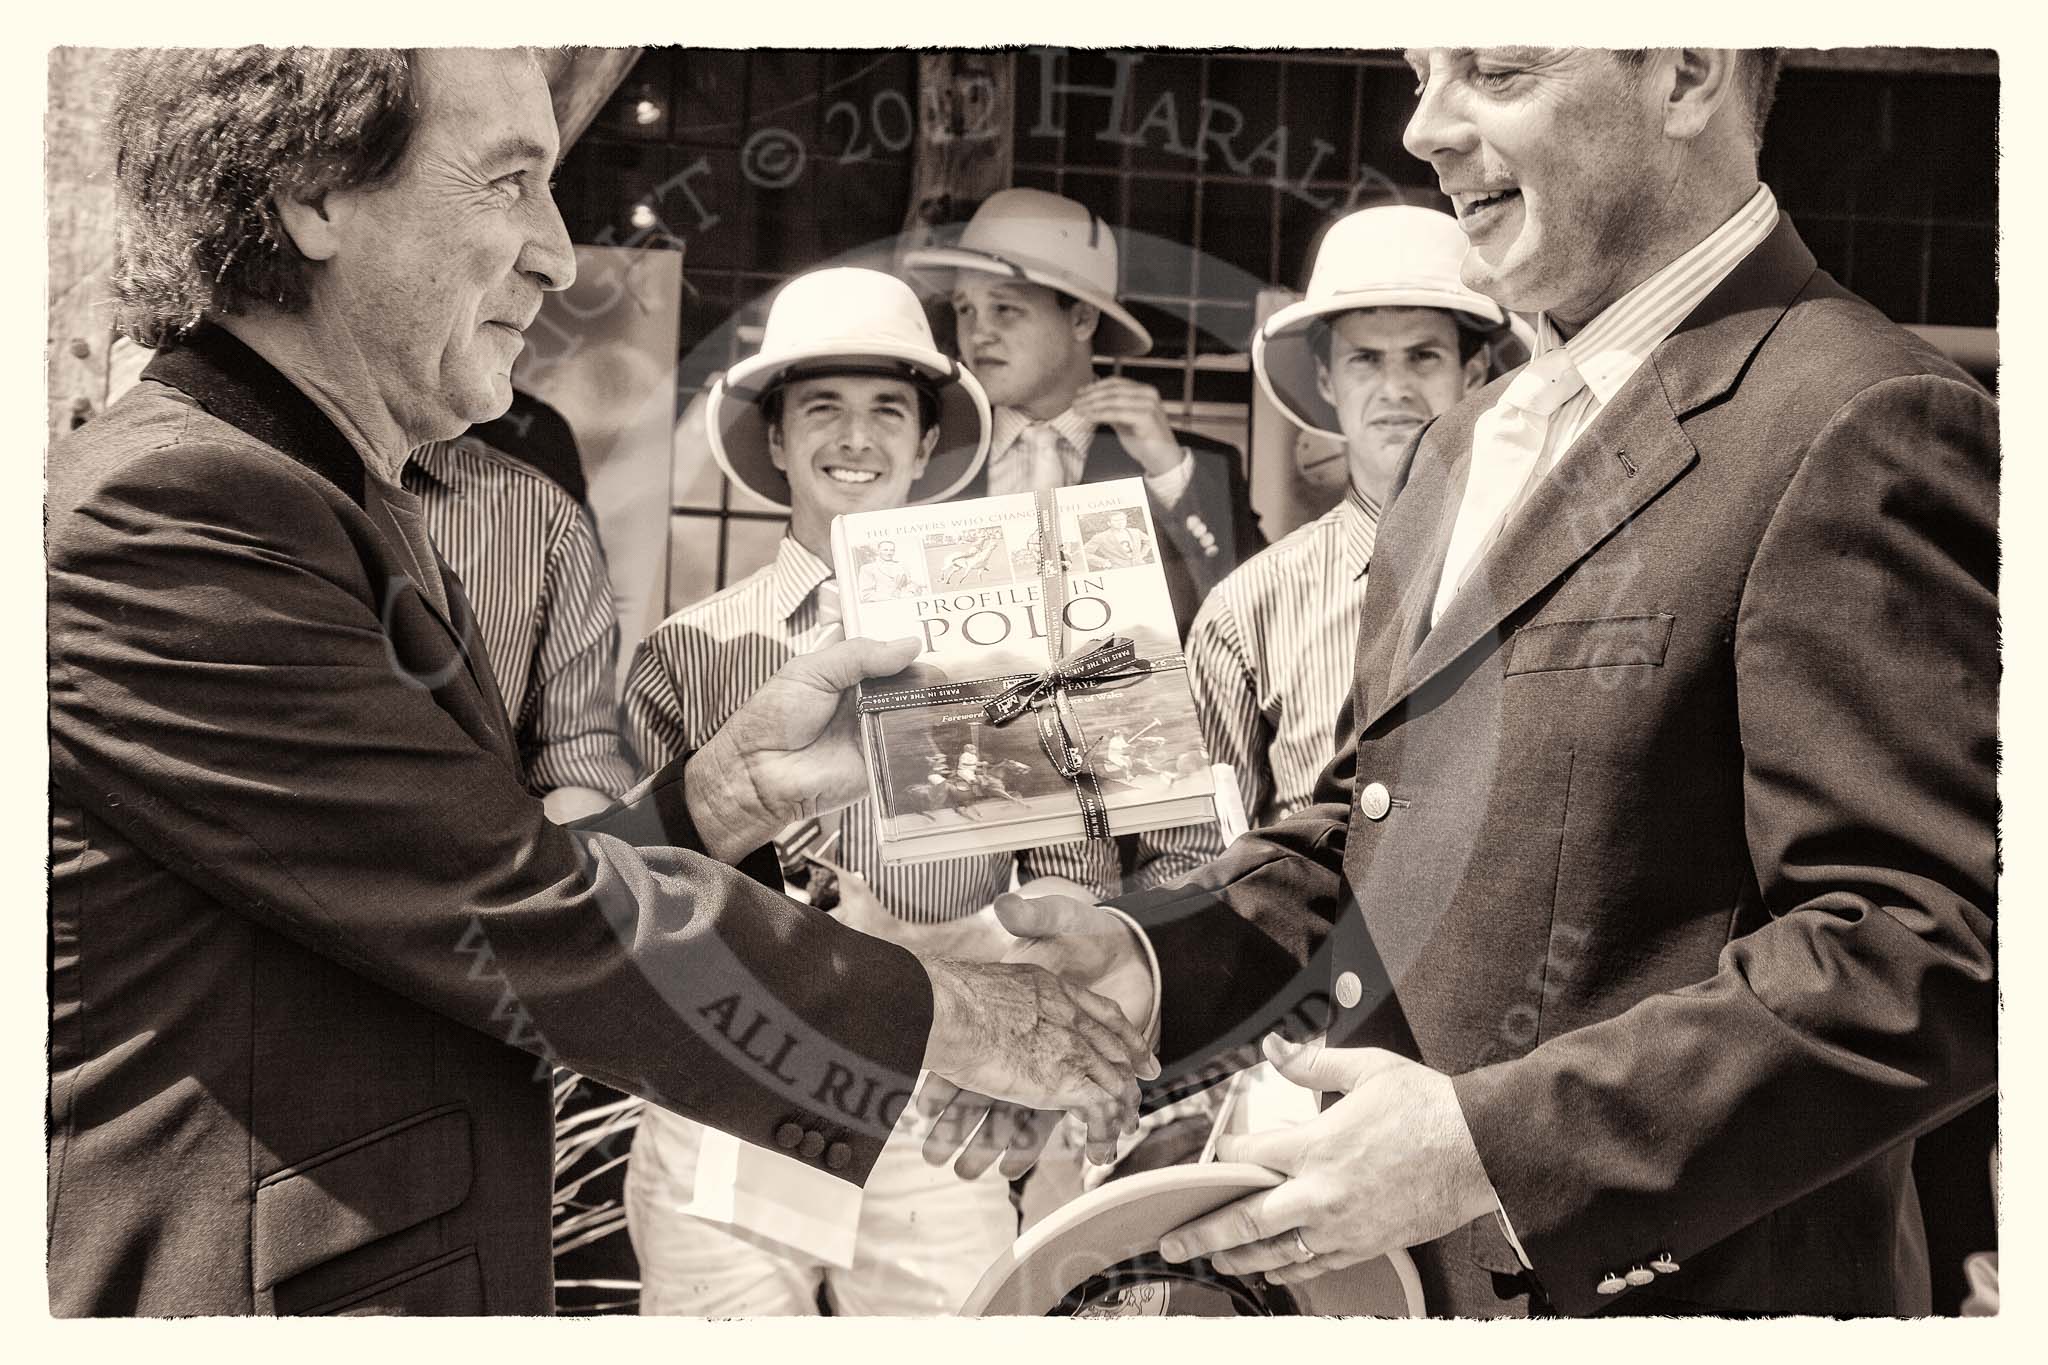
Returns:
(1270, 662)
(698, 666)
(1008, 472)
(1614, 345)
(528, 560)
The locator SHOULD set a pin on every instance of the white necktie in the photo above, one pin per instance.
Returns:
(1507, 443)
(1034, 464)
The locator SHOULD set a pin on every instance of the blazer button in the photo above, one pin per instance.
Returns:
(1639, 1276)
(838, 1156)
(1374, 801)
(1612, 1284)
(1664, 1264)
(788, 1135)
(1349, 990)
(813, 1143)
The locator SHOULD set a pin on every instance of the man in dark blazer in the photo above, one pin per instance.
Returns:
(1649, 899)
(313, 947)
(1033, 283)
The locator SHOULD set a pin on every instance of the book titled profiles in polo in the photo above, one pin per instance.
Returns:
(970, 581)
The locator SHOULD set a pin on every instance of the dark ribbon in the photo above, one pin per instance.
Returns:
(1112, 654)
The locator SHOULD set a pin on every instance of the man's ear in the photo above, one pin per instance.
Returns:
(315, 220)
(1475, 368)
(929, 442)
(1702, 80)
(776, 453)
(1083, 318)
(1328, 394)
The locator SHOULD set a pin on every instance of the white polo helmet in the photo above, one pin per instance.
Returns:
(846, 320)
(1393, 256)
(1045, 239)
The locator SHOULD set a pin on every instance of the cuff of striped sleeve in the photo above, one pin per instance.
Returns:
(590, 760)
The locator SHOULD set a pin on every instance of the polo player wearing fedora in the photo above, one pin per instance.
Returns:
(848, 407)
(1387, 337)
(1033, 290)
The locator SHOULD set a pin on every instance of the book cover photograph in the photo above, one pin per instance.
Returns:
(1049, 700)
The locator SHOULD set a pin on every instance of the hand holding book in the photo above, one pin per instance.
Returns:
(793, 750)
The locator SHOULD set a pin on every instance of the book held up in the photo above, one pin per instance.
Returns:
(1049, 699)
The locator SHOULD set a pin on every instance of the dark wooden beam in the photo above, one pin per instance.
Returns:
(1905, 61)
(581, 79)
(965, 140)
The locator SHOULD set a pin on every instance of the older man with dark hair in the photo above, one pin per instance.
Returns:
(1653, 884)
(309, 933)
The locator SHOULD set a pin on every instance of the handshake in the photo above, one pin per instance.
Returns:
(1036, 1009)
(1039, 1002)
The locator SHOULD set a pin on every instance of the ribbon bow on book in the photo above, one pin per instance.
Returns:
(1107, 655)
(1059, 730)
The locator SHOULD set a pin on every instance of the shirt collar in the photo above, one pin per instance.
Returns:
(1360, 516)
(796, 574)
(429, 463)
(1614, 345)
(1009, 424)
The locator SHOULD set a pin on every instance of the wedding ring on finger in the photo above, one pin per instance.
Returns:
(1301, 1245)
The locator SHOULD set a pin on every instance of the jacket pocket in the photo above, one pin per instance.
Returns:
(447, 1286)
(367, 1188)
(1606, 642)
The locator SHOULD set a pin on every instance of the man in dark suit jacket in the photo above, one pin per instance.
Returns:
(1649, 899)
(312, 944)
(1033, 285)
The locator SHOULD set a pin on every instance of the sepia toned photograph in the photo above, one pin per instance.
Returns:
(975, 559)
(1526, 844)
(1115, 539)
(882, 576)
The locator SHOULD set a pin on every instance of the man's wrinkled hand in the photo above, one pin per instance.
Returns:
(1390, 1165)
(1016, 1032)
(1081, 944)
(791, 751)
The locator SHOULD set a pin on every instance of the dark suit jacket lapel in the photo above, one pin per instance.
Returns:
(241, 388)
(1633, 451)
(246, 391)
